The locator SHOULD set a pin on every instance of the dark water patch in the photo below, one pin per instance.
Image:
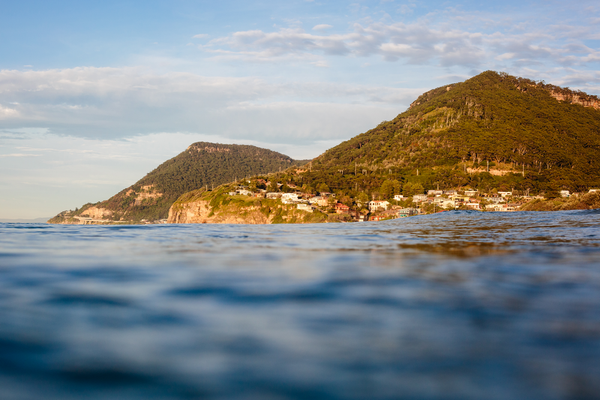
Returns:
(86, 299)
(24, 355)
(110, 274)
(11, 255)
(202, 291)
(103, 376)
(237, 295)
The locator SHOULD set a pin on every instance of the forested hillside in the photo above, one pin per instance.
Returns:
(491, 131)
(201, 165)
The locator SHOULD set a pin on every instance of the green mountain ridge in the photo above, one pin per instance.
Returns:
(491, 131)
(201, 165)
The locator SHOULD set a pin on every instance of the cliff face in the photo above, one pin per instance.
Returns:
(200, 212)
(575, 98)
(90, 216)
(219, 207)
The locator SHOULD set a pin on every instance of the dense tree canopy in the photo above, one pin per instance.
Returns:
(201, 165)
(491, 131)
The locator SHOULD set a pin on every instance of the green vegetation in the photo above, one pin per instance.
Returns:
(586, 202)
(493, 131)
(201, 165)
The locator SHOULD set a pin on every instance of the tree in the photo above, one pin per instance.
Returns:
(389, 188)
(323, 188)
(272, 186)
(410, 189)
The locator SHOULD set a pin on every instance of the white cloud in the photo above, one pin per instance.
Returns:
(123, 102)
(6, 113)
(505, 56)
(19, 155)
(421, 42)
(321, 27)
(201, 36)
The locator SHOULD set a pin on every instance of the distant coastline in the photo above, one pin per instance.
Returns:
(24, 220)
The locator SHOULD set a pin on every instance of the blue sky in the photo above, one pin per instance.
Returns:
(93, 94)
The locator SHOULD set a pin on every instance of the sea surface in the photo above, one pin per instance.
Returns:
(456, 305)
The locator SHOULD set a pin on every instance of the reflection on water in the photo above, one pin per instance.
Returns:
(459, 305)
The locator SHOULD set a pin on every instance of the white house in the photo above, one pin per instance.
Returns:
(289, 198)
(564, 193)
(419, 198)
(447, 203)
(496, 200)
(407, 212)
(378, 205)
(435, 192)
(505, 194)
(305, 207)
(399, 197)
(475, 205)
(314, 199)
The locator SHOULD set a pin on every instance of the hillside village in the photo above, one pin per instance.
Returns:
(398, 206)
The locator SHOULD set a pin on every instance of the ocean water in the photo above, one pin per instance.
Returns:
(457, 305)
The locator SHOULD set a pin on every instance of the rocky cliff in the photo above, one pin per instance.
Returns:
(218, 207)
(200, 212)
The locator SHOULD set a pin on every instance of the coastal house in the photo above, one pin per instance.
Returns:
(319, 200)
(274, 195)
(505, 194)
(305, 207)
(342, 208)
(473, 204)
(289, 198)
(399, 197)
(502, 207)
(594, 191)
(241, 191)
(435, 192)
(314, 199)
(565, 193)
(406, 212)
(378, 205)
(496, 199)
(447, 203)
(419, 198)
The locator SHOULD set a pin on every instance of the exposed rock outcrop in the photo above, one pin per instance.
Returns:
(575, 98)
(200, 212)
(97, 213)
